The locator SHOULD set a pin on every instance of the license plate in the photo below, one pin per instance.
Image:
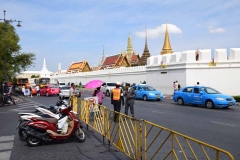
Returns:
(230, 103)
(158, 96)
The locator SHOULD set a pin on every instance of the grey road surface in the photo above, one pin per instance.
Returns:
(219, 127)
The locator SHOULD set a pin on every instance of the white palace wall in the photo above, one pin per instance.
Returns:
(180, 66)
(183, 67)
(126, 74)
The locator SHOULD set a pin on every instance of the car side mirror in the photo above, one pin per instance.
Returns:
(200, 92)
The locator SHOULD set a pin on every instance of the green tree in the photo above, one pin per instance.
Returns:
(16, 61)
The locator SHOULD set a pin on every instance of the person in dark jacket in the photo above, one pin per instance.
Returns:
(129, 100)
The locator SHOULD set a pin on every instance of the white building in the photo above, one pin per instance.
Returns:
(43, 73)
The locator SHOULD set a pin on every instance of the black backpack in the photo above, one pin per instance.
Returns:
(179, 87)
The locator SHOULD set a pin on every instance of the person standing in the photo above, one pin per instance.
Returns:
(116, 100)
(99, 94)
(23, 90)
(176, 86)
(129, 101)
(80, 84)
(38, 91)
(30, 91)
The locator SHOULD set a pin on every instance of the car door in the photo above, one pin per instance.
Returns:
(187, 94)
(137, 92)
(196, 96)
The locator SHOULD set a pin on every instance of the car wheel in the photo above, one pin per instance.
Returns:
(209, 104)
(47, 94)
(107, 93)
(60, 97)
(145, 98)
(180, 101)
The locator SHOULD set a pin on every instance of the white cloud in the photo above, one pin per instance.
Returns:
(155, 32)
(217, 30)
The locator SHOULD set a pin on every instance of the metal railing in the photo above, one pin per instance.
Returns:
(141, 139)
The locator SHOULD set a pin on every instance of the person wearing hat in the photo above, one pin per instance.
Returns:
(129, 101)
(116, 99)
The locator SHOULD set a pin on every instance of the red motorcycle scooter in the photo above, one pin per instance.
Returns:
(45, 129)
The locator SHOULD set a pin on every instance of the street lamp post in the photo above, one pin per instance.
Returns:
(4, 87)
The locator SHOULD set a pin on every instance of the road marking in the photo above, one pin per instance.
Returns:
(157, 112)
(5, 146)
(223, 123)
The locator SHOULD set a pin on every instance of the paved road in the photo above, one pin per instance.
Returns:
(11, 147)
(219, 127)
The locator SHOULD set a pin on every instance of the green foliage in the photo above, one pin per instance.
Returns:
(15, 60)
(35, 76)
(237, 98)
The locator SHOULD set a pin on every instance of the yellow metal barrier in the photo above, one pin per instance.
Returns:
(162, 143)
(141, 139)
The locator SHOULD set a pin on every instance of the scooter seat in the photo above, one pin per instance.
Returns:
(50, 120)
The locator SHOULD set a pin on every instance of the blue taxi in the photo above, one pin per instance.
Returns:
(205, 96)
(147, 92)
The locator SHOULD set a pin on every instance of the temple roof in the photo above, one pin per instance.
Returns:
(77, 66)
(110, 60)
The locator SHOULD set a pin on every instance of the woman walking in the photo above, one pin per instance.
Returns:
(99, 94)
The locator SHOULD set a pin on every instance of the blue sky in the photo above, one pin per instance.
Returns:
(63, 31)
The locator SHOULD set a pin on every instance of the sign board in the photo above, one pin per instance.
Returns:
(93, 101)
(26, 92)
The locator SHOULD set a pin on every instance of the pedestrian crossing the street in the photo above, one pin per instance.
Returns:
(6, 145)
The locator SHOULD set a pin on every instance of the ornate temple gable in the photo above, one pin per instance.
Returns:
(122, 61)
(81, 66)
(135, 60)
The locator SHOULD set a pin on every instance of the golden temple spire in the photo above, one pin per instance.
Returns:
(129, 46)
(166, 46)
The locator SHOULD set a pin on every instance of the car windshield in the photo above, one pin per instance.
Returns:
(148, 88)
(65, 88)
(61, 83)
(111, 84)
(209, 90)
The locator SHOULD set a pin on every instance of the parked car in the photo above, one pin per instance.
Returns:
(146, 92)
(65, 92)
(61, 84)
(49, 90)
(107, 88)
(205, 96)
(34, 90)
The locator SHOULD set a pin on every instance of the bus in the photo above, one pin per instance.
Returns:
(20, 83)
(42, 81)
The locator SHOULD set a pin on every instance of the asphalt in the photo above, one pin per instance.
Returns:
(218, 127)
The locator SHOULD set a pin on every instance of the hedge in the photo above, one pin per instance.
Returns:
(237, 98)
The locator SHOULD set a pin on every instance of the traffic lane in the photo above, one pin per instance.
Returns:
(196, 122)
(69, 149)
(6, 119)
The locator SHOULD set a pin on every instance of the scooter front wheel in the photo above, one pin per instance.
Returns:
(80, 135)
(33, 142)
